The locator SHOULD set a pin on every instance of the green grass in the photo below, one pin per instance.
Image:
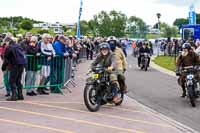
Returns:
(166, 62)
(152, 36)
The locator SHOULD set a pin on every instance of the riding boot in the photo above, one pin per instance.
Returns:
(184, 91)
(123, 86)
(115, 88)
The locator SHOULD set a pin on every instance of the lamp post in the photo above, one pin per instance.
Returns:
(158, 16)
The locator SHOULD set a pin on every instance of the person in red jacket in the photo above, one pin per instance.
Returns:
(6, 73)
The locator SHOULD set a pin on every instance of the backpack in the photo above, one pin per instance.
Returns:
(19, 55)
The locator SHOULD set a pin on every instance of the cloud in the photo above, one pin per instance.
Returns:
(67, 11)
(178, 2)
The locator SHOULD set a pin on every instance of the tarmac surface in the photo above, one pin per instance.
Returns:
(161, 92)
(67, 113)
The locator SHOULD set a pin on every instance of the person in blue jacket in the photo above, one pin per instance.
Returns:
(58, 65)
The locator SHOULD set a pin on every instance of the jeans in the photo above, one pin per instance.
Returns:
(30, 80)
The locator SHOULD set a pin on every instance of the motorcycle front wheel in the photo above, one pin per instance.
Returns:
(90, 98)
(146, 65)
(191, 95)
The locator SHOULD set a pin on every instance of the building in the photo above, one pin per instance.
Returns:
(57, 27)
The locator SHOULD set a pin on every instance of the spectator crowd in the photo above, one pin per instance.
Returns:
(43, 56)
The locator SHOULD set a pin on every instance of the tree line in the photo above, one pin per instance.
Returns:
(111, 23)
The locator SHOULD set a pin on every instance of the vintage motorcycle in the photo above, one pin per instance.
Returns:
(144, 61)
(191, 83)
(97, 91)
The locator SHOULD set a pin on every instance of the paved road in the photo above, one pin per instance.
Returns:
(161, 93)
(67, 114)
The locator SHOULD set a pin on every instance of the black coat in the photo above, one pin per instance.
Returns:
(32, 59)
(144, 50)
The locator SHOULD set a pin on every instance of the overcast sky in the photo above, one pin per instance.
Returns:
(66, 11)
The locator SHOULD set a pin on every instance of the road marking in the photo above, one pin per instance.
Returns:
(101, 114)
(71, 119)
(33, 125)
(128, 110)
(56, 102)
(108, 105)
(105, 106)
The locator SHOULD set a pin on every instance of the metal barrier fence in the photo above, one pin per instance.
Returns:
(55, 73)
(43, 71)
(82, 53)
(69, 74)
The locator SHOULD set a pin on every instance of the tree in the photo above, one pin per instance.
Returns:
(109, 24)
(136, 26)
(85, 30)
(84, 27)
(104, 23)
(168, 31)
(179, 22)
(93, 27)
(64, 28)
(156, 25)
(118, 23)
(26, 25)
(42, 31)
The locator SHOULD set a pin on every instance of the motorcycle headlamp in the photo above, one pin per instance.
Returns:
(190, 77)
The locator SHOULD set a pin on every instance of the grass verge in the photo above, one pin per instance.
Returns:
(167, 62)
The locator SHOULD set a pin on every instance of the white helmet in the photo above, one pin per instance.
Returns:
(111, 38)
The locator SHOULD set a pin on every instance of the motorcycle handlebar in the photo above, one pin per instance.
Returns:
(185, 69)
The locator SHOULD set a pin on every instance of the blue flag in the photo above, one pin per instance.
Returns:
(192, 15)
(79, 18)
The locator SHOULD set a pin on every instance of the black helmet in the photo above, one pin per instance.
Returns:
(104, 46)
(186, 46)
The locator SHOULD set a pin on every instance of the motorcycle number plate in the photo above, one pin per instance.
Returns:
(95, 76)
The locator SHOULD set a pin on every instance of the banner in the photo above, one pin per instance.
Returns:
(192, 15)
(79, 18)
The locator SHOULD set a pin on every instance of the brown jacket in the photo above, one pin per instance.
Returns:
(119, 63)
(191, 59)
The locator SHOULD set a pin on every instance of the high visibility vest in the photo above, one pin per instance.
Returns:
(134, 45)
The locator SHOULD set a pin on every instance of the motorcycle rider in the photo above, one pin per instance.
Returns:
(187, 58)
(119, 65)
(142, 50)
(105, 59)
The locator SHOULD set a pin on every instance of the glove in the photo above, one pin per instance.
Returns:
(178, 74)
(110, 68)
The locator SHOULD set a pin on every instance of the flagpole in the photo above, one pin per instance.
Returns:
(79, 18)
